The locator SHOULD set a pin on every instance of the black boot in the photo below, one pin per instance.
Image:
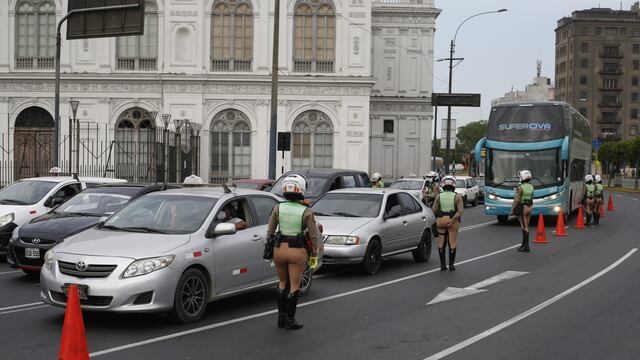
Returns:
(443, 261)
(596, 218)
(588, 220)
(525, 242)
(292, 303)
(452, 259)
(282, 307)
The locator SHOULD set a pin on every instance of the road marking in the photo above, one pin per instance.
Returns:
(533, 310)
(634, 199)
(451, 293)
(20, 306)
(9, 272)
(270, 312)
(25, 309)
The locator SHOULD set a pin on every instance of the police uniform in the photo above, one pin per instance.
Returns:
(599, 202)
(523, 207)
(448, 207)
(589, 200)
(378, 185)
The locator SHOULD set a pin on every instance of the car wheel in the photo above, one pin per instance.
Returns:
(503, 219)
(464, 201)
(475, 201)
(305, 282)
(423, 252)
(191, 296)
(372, 258)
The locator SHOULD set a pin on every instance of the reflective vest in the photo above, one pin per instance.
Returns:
(379, 184)
(590, 190)
(527, 192)
(290, 215)
(448, 201)
(599, 189)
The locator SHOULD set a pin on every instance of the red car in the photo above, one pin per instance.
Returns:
(254, 184)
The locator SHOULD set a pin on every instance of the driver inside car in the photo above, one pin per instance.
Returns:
(228, 215)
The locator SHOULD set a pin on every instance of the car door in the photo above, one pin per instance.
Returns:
(474, 188)
(414, 218)
(394, 228)
(238, 257)
(261, 207)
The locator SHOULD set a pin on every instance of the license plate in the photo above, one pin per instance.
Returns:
(82, 290)
(32, 253)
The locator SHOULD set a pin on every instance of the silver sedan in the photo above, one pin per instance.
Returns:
(171, 251)
(363, 225)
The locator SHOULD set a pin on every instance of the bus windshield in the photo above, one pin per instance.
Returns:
(503, 167)
(522, 123)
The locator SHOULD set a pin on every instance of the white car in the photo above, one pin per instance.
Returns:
(412, 185)
(25, 199)
(468, 188)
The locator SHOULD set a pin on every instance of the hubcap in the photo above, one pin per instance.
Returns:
(374, 258)
(306, 278)
(192, 296)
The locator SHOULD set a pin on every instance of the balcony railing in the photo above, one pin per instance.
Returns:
(609, 104)
(137, 64)
(609, 120)
(230, 65)
(319, 66)
(611, 54)
(39, 63)
(611, 71)
(617, 88)
(610, 136)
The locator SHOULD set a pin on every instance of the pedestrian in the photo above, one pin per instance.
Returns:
(448, 208)
(522, 207)
(376, 179)
(599, 199)
(588, 197)
(292, 249)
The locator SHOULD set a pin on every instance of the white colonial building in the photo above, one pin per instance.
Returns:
(209, 62)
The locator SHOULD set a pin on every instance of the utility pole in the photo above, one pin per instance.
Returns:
(273, 128)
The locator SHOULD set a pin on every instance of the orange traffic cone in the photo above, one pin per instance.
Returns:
(601, 210)
(73, 345)
(610, 207)
(560, 230)
(541, 236)
(580, 222)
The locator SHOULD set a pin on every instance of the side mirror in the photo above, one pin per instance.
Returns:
(223, 229)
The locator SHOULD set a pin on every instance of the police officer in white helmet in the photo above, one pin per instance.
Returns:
(376, 181)
(599, 199)
(588, 198)
(448, 208)
(523, 206)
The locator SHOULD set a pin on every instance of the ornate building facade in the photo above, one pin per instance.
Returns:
(204, 61)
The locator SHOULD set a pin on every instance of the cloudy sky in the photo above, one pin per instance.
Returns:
(500, 50)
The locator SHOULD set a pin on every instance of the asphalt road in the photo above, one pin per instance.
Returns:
(574, 298)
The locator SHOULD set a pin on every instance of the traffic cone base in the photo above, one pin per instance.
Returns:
(580, 222)
(73, 345)
(560, 229)
(601, 210)
(610, 205)
(541, 236)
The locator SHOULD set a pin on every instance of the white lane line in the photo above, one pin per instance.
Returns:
(634, 199)
(10, 272)
(25, 309)
(533, 310)
(20, 306)
(270, 312)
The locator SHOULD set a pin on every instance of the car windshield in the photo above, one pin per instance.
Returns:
(407, 185)
(315, 185)
(349, 205)
(94, 201)
(480, 181)
(460, 184)
(167, 214)
(250, 186)
(25, 192)
(503, 167)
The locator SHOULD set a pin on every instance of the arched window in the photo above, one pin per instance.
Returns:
(135, 145)
(312, 141)
(35, 34)
(314, 36)
(231, 36)
(230, 147)
(140, 53)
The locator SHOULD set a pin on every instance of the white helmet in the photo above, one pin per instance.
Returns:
(598, 179)
(588, 178)
(524, 175)
(294, 186)
(448, 181)
(431, 174)
(376, 177)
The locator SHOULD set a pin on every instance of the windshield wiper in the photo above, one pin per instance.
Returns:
(345, 214)
(12, 201)
(541, 182)
(509, 180)
(84, 214)
(144, 229)
(111, 227)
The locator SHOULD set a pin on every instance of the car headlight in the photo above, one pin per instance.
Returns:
(145, 266)
(6, 219)
(551, 197)
(342, 240)
(14, 235)
(493, 197)
(48, 260)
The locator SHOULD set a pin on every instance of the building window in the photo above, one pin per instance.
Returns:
(388, 127)
(314, 36)
(584, 63)
(623, 31)
(584, 47)
(35, 34)
(611, 51)
(135, 136)
(634, 113)
(635, 32)
(583, 80)
(584, 30)
(598, 30)
(312, 141)
(634, 81)
(635, 65)
(610, 100)
(583, 96)
(610, 84)
(140, 53)
(633, 130)
(636, 49)
(635, 97)
(230, 153)
(231, 36)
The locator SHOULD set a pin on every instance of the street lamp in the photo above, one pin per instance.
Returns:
(195, 131)
(451, 58)
(166, 118)
(179, 124)
(74, 110)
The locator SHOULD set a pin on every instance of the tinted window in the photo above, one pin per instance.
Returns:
(315, 186)
(526, 123)
(349, 205)
(349, 181)
(365, 180)
(408, 204)
(407, 185)
(26, 192)
(393, 202)
(503, 167)
(263, 207)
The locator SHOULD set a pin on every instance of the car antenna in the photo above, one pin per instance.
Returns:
(226, 188)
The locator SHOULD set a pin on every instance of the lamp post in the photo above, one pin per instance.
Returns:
(451, 58)
(195, 131)
(180, 123)
(166, 118)
(74, 110)
(153, 115)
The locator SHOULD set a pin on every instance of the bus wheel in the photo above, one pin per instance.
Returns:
(502, 219)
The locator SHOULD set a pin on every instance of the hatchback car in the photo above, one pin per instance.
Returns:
(30, 241)
(170, 251)
(320, 181)
(363, 225)
(468, 188)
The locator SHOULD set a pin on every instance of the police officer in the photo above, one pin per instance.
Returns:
(292, 251)
(431, 188)
(599, 199)
(523, 206)
(448, 208)
(588, 197)
(376, 179)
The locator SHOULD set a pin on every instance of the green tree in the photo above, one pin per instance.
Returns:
(633, 157)
(610, 152)
(468, 135)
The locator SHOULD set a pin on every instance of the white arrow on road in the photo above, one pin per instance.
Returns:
(454, 293)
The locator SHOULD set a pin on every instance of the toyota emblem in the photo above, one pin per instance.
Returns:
(82, 266)
(36, 241)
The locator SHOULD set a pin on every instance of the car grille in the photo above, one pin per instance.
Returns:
(29, 241)
(60, 297)
(93, 271)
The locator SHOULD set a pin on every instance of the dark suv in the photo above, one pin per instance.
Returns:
(321, 181)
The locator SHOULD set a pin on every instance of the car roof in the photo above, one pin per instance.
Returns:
(463, 177)
(367, 191)
(252, 181)
(411, 179)
(60, 179)
(325, 172)
(210, 191)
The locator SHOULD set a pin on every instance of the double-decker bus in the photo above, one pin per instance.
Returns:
(551, 139)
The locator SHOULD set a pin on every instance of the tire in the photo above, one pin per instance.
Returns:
(192, 286)
(464, 201)
(372, 258)
(423, 252)
(475, 201)
(307, 279)
(503, 219)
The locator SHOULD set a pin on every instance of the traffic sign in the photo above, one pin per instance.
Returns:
(105, 22)
(463, 100)
(595, 144)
